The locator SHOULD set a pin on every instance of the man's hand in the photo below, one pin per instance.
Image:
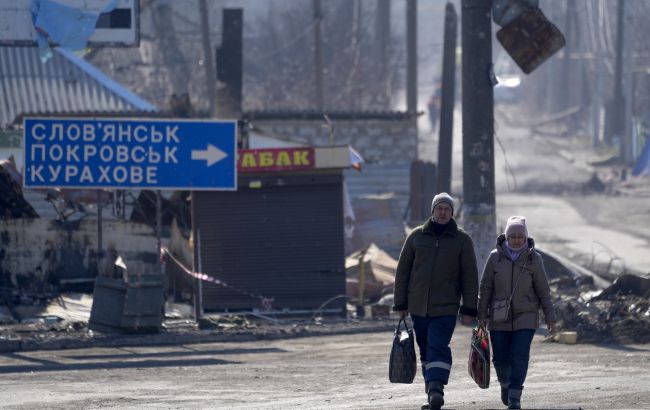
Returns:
(552, 327)
(466, 320)
(403, 314)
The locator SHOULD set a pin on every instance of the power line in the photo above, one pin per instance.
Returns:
(290, 42)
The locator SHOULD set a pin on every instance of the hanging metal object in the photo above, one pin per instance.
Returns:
(504, 11)
(530, 39)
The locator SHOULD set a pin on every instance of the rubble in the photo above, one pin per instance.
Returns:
(224, 322)
(597, 311)
(12, 202)
(379, 273)
(619, 313)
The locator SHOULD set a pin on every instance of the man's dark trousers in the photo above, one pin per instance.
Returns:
(433, 335)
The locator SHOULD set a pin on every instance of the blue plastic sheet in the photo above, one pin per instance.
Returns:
(642, 167)
(65, 26)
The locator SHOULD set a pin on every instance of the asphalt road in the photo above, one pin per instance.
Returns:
(543, 177)
(341, 372)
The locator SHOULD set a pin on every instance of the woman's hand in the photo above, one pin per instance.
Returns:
(483, 323)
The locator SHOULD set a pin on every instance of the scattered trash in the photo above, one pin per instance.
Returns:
(178, 310)
(594, 185)
(568, 338)
(224, 322)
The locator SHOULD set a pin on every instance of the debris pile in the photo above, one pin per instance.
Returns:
(213, 322)
(378, 274)
(618, 314)
(12, 202)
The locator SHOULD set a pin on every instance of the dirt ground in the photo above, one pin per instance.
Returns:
(339, 371)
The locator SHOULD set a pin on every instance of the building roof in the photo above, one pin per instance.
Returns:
(66, 84)
(333, 115)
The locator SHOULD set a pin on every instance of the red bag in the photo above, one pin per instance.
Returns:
(479, 357)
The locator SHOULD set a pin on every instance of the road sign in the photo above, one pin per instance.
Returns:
(118, 27)
(130, 153)
(530, 39)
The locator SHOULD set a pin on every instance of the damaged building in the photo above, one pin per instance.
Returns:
(52, 239)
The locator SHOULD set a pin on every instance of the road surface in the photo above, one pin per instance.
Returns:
(338, 372)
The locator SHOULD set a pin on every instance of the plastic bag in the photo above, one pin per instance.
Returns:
(479, 357)
(402, 364)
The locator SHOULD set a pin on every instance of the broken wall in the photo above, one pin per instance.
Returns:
(38, 253)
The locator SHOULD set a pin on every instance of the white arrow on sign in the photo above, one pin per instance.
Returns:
(212, 155)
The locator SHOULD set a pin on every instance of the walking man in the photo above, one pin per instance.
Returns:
(436, 267)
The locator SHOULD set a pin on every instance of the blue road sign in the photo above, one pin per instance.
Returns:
(130, 153)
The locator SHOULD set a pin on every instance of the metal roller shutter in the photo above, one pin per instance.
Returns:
(283, 240)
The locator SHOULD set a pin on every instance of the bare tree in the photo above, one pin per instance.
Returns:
(279, 60)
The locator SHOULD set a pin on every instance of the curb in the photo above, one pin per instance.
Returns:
(166, 338)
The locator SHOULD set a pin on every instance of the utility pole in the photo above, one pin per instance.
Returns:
(382, 37)
(479, 208)
(318, 57)
(210, 76)
(565, 84)
(614, 119)
(619, 97)
(411, 56)
(445, 140)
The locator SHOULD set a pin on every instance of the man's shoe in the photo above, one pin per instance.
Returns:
(436, 401)
(435, 392)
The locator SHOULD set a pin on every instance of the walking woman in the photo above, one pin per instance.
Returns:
(512, 290)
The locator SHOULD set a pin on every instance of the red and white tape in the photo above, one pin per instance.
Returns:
(166, 256)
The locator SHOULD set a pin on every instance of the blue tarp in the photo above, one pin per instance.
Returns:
(642, 167)
(65, 26)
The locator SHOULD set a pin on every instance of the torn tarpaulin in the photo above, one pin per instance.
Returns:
(66, 26)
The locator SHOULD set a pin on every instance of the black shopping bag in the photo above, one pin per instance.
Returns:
(402, 364)
(479, 357)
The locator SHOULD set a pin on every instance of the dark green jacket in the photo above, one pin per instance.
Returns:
(434, 272)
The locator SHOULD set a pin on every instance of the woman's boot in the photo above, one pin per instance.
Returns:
(504, 394)
(514, 399)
